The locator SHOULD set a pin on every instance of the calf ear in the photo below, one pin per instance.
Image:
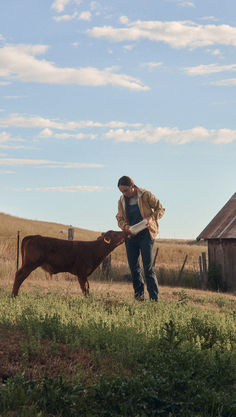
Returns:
(108, 241)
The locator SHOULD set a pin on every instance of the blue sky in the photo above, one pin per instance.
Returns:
(93, 90)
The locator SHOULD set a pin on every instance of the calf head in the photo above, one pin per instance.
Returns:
(114, 238)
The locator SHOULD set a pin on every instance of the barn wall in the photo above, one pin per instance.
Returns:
(223, 253)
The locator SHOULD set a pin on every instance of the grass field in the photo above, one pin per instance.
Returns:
(171, 253)
(107, 355)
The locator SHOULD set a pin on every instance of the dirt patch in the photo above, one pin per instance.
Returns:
(18, 355)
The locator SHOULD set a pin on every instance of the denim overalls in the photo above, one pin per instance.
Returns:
(141, 243)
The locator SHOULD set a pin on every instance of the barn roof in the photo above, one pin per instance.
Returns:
(223, 225)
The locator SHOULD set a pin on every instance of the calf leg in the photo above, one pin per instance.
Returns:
(20, 276)
(84, 284)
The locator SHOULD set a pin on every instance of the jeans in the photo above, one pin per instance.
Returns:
(142, 243)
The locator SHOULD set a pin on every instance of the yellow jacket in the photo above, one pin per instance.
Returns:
(149, 206)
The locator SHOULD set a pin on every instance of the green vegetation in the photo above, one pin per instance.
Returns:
(65, 356)
(111, 356)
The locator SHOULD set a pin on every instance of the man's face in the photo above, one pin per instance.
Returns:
(127, 191)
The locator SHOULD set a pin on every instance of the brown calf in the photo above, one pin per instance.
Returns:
(80, 258)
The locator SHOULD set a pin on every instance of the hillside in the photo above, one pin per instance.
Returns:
(10, 225)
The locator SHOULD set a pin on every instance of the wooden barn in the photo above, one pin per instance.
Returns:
(221, 237)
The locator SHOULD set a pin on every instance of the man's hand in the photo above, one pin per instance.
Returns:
(127, 229)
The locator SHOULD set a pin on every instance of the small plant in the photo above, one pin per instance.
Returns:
(48, 397)
(183, 296)
(171, 335)
(30, 347)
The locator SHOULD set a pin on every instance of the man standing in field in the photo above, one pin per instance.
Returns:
(135, 205)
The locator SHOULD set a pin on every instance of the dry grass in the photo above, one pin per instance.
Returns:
(171, 255)
(68, 285)
(171, 252)
(10, 225)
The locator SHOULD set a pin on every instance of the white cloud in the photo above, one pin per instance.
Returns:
(114, 130)
(5, 137)
(128, 47)
(11, 146)
(86, 15)
(179, 34)
(46, 133)
(17, 120)
(19, 62)
(211, 18)
(67, 135)
(16, 58)
(151, 65)
(46, 163)
(209, 69)
(187, 4)
(225, 135)
(8, 142)
(66, 189)
(215, 52)
(124, 20)
(227, 82)
(156, 134)
(94, 5)
(59, 5)
(175, 136)
(65, 17)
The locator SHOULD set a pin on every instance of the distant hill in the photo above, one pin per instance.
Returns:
(10, 225)
(171, 252)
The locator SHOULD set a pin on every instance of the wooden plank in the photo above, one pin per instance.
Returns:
(200, 267)
(204, 269)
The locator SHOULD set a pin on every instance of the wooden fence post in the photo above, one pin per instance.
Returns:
(70, 233)
(182, 268)
(17, 250)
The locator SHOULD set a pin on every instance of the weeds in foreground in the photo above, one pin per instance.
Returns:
(162, 359)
